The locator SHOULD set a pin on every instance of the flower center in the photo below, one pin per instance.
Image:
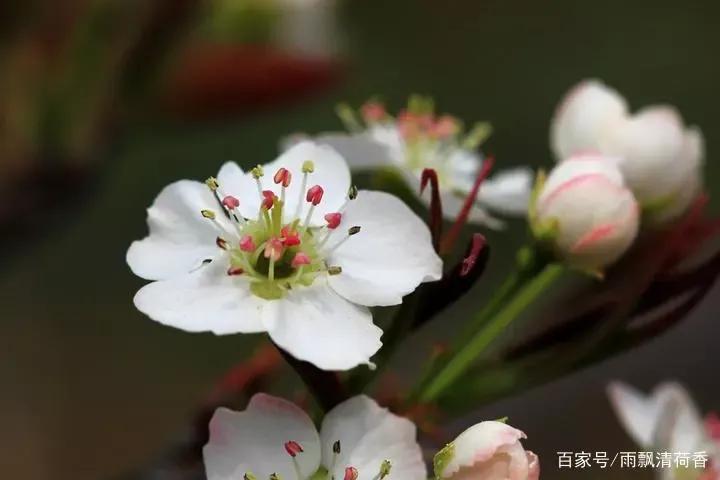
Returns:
(275, 254)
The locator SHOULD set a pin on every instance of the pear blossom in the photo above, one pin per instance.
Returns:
(586, 212)
(418, 139)
(273, 438)
(489, 451)
(660, 158)
(667, 420)
(298, 253)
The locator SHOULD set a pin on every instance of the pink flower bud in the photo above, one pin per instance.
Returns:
(268, 199)
(300, 259)
(283, 176)
(230, 202)
(315, 194)
(333, 220)
(247, 244)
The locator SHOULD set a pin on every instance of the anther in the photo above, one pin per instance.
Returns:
(221, 243)
(274, 249)
(247, 244)
(289, 237)
(352, 192)
(283, 176)
(385, 468)
(249, 476)
(235, 271)
(257, 172)
(230, 202)
(208, 214)
(300, 258)
(293, 448)
(354, 230)
(212, 183)
(268, 199)
(315, 194)
(334, 270)
(351, 473)
(308, 166)
(333, 220)
(336, 447)
(275, 476)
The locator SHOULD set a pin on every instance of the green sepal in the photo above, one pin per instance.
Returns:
(443, 458)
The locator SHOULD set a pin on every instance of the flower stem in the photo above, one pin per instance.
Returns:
(463, 359)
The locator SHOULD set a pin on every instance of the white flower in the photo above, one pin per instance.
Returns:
(590, 214)
(418, 139)
(660, 158)
(253, 254)
(487, 451)
(275, 439)
(667, 420)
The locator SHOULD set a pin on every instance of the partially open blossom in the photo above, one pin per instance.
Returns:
(585, 212)
(487, 451)
(417, 139)
(660, 158)
(667, 420)
(270, 261)
(358, 440)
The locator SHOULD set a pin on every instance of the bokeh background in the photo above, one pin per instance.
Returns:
(104, 103)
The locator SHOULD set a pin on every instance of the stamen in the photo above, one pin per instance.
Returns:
(385, 468)
(300, 259)
(289, 237)
(333, 220)
(282, 177)
(235, 271)
(334, 270)
(257, 174)
(351, 473)
(209, 214)
(314, 195)
(352, 192)
(247, 244)
(274, 249)
(351, 231)
(212, 183)
(308, 167)
(249, 476)
(275, 476)
(221, 243)
(268, 198)
(293, 448)
(336, 447)
(230, 202)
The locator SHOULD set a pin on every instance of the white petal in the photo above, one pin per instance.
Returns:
(253, 441)
(234, 181)
(508, 191)
(331, 173)
(360, 150)
(205, 300)
(489, 447)
(390, 256)
(180, 237)
(666, 419)
(315, 324)
(583, 117)
(369, 434)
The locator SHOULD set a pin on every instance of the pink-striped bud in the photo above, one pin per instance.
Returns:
(247, 244)
(300, 259)
(274, 249)
(333, 220)
(268, 199)
(315, 194)
(283, 176)
(293, 448)
(351, 473)
(230, 202)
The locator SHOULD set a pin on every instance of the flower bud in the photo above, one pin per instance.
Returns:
(487, 451)
(585, 212)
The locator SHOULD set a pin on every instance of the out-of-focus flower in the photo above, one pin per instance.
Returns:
(667, 420)
(488, 451)
(585, 212)
(660, 158)
(418, 139)
(275, 439)
(247, 253)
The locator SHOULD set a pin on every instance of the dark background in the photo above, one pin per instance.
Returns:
(91, 388)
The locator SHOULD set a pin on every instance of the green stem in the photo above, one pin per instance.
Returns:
(464, 358)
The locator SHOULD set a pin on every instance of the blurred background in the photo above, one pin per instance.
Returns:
(104, 102)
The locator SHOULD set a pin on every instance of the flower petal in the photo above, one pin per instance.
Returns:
(390, 256)
(317, 325)
(205, 300)
(369, 434)
(359, 150)
(583, 118)
(180, 237)
(253, 441)
(234, 181)
(508, 191)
